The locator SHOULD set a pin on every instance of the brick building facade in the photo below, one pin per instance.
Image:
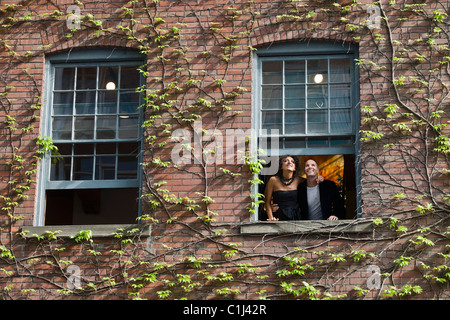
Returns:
(155, 192)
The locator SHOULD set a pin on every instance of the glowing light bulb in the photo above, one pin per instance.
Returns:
(318, 78)
(110, 85)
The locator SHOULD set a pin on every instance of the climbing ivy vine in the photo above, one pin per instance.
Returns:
(405, 145)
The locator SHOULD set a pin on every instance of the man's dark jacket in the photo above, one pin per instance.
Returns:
(330, 200)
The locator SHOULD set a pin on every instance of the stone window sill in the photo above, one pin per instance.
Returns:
(98, 231)
(307, 226)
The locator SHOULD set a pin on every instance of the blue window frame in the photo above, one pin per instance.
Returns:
(311, 98)
(306, 104)
(94, 118)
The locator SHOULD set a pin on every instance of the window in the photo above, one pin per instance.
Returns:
(94, 119)
(306, 104)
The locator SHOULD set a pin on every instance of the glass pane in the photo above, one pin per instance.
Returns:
(294, 71)
(294, 97)
(341, 142)
(127, 167)
(82, 168)
(340, 96)
(64, 78)
(64, 149)
(81, 149)
(108, 78)
(272, 97)
(84, 127)
(107, 102)
(60, 169)
(272, 72)
(318, 121)
(317, 71)
(340, 121)
(271, 120)
(129, 77)
(85, 102)
(317, 96)
(106, 127)
(62, 128)
(105, 168)
(317, 143)
(106, 148)
(294, 122)
(128, 127)
(294, 143)
(129, 102)
(340, 70)
(86, 78)
(128, 148)
(63, 103)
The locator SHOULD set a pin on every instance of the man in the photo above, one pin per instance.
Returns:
(319, 201)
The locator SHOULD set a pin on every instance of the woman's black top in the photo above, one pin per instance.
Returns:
(287, 201)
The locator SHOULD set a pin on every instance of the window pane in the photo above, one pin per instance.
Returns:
(341, 142)
(272, 97)
(315, 68)
(340, 121)
(64, 78)
(271, 120)
(82, 168)
(130, 77)
(318, 121)
(86, 78)
(106, 127)
(272, 72)
(128, 148)
(340, 70)
(63, 103)
(317, 143)
(107, 102)
(294, 97)
(294, 71)
(106, 148)
(81, 149)
(127, 167)
(62, 128)
(294, 143)
(128, 127)
(60, 169)
(295, 122)
(85, 102)
(340, 96)
(108, 78)
(64, 149)
(317, 97)
(84, 128)
(105, 168)
(129, 102)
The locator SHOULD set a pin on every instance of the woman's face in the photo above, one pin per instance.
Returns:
(288, 164)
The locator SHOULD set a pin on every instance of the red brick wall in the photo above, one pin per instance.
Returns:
(201, 51)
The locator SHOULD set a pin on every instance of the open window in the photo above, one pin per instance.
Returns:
(94, 118)
(307, 105)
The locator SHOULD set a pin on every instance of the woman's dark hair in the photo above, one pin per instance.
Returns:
(280, 161)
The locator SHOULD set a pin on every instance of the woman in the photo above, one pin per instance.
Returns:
(283, 188)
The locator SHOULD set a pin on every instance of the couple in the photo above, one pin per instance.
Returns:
(295, 199)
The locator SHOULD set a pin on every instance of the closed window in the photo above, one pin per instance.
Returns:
(94, 119)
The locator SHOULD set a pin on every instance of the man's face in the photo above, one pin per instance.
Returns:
(311, 168)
